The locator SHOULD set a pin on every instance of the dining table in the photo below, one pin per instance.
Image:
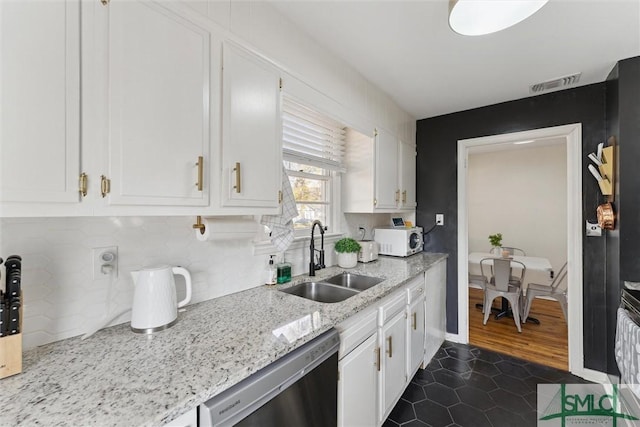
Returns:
(538, 270)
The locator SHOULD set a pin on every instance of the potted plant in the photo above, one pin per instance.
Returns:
(496, 243)
(347, 250)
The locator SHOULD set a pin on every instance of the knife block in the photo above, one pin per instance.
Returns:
(11, 353)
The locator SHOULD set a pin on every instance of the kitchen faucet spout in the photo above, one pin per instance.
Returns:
(313, 266)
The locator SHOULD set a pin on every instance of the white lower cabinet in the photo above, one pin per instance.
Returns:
(357, 385)
(435, 316)
(415, 327)
(394, 373)
(382, 347)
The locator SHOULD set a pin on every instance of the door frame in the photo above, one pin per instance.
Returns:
(572, 133)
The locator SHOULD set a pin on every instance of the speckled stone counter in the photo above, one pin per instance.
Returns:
(120, 378)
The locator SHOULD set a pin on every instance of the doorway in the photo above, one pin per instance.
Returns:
(572, 136)
(520, 191)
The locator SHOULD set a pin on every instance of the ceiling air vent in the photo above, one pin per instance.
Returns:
(555, 83)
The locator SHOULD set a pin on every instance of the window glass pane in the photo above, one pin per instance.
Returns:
(312, 194)
(305, 168)
(308, 213)
(308, 190)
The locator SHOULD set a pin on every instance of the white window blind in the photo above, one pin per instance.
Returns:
(311, 138)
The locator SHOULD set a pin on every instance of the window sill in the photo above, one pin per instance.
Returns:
(264, 247)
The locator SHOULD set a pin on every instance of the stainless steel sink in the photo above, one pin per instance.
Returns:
(320, 291)
(354, 281)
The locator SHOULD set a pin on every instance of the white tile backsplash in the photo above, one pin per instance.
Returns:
(63, 300)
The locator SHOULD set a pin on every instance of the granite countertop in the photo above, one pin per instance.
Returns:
(117, 377)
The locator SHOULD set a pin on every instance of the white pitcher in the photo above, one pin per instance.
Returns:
(155, 305)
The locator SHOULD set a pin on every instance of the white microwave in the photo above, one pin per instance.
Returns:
(399, 241)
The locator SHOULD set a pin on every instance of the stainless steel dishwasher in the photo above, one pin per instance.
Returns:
(299, 389)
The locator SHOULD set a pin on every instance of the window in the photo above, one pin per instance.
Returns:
(312, 190)
(313, 146)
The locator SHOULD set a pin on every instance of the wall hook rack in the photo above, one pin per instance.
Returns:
(605, 174)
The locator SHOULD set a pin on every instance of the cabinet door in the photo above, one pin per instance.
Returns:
(415, 335)
(357, 385)
(251, 130)
(158, 105)
(407, 175)
(436, 283)
(39, 101)
(394, 375)
(189, 419)
(387, 192)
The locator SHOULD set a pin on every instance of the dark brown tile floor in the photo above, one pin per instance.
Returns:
(472, 387)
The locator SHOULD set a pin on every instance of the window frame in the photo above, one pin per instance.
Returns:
(332, 201)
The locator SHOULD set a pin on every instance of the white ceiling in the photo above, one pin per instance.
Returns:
(407, 48)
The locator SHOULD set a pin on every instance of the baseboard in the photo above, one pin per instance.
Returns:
(455, 338)
(593, 376)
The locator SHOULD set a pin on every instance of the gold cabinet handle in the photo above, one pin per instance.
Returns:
(105, 186)
(390, 346)
(397, 196)
(237, 187)
(414, 316)
(82, 184)
(377, 350)
(404, 196)
(200, 165)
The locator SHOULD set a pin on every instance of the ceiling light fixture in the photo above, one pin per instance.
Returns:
(479, 17)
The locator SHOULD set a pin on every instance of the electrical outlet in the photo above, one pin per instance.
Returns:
(593, 229)
(439, 219)
(105, 262)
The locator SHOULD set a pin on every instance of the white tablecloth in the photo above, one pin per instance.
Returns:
(538, 269)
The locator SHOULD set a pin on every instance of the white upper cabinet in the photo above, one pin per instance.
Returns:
(251, 131)
(39, 104)
(387, 192)
(381, 173)
(407, 175)
(158, 106)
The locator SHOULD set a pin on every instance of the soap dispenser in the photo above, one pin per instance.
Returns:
(271, 273)
(284, 271)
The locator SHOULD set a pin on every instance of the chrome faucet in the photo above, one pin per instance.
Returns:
(313, 266)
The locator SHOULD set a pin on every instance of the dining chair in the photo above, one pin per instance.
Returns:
(479, 280)
(554, 291)
(502, 288)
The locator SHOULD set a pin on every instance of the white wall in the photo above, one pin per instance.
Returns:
(61, 297)
(522, 194)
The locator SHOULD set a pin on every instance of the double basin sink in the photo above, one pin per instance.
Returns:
(335, 289)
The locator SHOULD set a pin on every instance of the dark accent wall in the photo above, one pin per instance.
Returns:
(436, 175)
(623, 243)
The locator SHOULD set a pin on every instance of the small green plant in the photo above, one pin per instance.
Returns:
(495, 239)
(346, 244)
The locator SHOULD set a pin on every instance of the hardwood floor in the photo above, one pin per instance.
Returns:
(545, 344)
